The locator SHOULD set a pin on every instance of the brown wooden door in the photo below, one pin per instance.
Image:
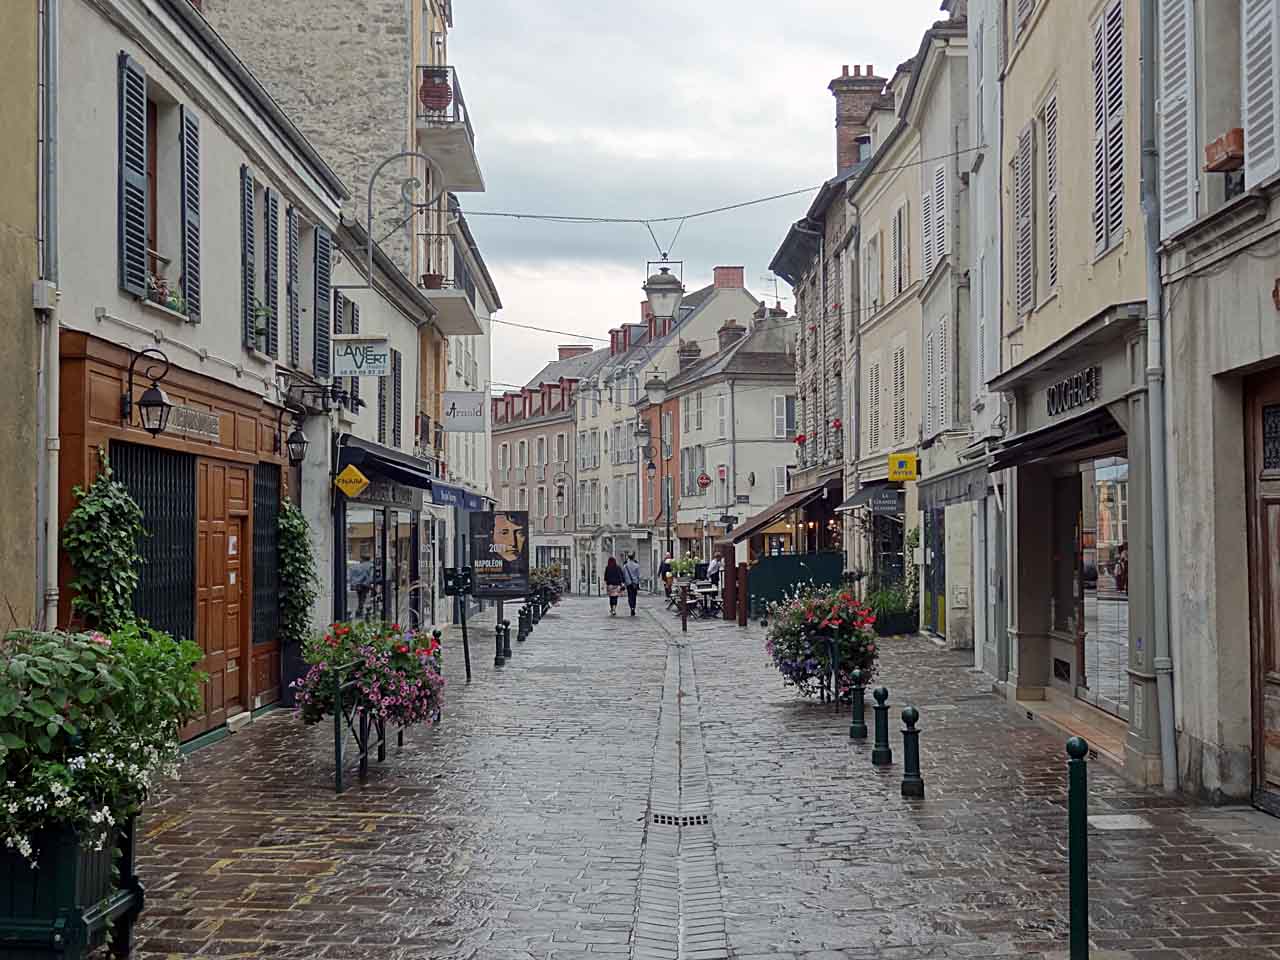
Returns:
(222, 621)
(1263, 443)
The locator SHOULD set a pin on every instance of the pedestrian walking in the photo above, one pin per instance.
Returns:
(613, 585)
(631, 580)
(713, 570)
(664, 574)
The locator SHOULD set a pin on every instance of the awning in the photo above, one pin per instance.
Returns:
(1087, 430)
(958, 485)
(879, 495)
(386, 461)
(792, 501)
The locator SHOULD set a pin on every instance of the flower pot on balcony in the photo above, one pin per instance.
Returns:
(435, 94)
(1226, 153)
(432, 281)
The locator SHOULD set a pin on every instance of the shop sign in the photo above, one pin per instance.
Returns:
(464, 411)
(387, 493)
(1075, 391)
(500, 554)
(886, 501)
(903, 466)
(355, 355)
(742, 498)
(194, 422)
(351, 481)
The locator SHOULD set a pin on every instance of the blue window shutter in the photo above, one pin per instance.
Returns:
(247, 260)
(382, 409)
(133, 177)
(291, 281)
(190, 196)
(273, 273)
(323, 295)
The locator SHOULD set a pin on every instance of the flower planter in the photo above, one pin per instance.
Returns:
(69, 903)
(435, 95)
(1225, 153)
(896, 624)
(432, 281)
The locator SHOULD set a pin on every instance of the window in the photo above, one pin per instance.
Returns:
(633, 500)
(1049, 200)
(722, 416)
(784, 416)
(524, 498)
(1023, 224)
(561, 456)
(697, 410)
(899, 244)
(864, 147)
(873, 406)
(542, 502)
(981, 72)
(666, 435)
(504, 456)
(871, 266)
(524, 453)
(981, 312)
(1021, 13)
(899, 394)
(1108, 128)
(684, 414)
(541, 451)
(781, 482)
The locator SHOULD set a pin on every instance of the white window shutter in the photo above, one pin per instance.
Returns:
(1024, 224)
(1260, 89)
(873, 406)
(1099, 138)
(1115, 120)
(929, 386)
(940, 212)
(899, 394)
(926, 228)
(1051, 189)
(779, 416)
(895, 251)
(1178, 175)
(943, 419)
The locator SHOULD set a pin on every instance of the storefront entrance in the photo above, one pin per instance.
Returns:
(935, 571)
(1263, 451)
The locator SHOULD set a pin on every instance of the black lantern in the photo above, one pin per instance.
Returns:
(652, 470)
(297, 444)
(154, 406)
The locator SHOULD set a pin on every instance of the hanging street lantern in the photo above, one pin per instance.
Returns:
(297, 444)
(154, 405)
(664, 292)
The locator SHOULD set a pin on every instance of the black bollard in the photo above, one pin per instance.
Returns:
(534, 615)
(912, 782)
(498, 659)
(1078, 845)
(881, 753)
(505, 627)
(858, 719)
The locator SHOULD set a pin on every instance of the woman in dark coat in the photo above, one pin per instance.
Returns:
(613, 585)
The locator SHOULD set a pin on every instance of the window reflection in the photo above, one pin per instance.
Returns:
(364, 563)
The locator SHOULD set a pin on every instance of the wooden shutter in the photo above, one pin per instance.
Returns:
(291, 286)
(899, 394)
(873, 406)
(395, 398)
(272, 247)
(926, 227)
(132, 186)
(382, 417)
(1024, 224)
(943, 378)
(1099, 138)
(189, 196)
(895, 244)
(1020, 14)
(321, 349)
(1260, 89)
(940, 212)
(1115, 120)
(1051, 189)
(248, 264)
(930, 386)
(1178, 175)
(355, 381)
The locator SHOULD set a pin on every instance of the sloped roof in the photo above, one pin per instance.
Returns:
(573, 368)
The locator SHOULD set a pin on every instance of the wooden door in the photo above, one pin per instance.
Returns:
(1263, 449)
(222, 528)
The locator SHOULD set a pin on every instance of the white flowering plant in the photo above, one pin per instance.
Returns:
(88, 721)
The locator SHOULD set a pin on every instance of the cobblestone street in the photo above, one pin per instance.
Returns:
(618, 790)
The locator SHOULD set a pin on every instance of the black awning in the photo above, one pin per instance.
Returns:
(385, 461)
(1087, 430)
(958, 485)
(868, 493)
(792, 501)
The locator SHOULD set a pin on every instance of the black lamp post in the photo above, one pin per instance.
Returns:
(153, 406)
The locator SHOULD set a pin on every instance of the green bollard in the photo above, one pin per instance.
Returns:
(1078, 844)
(858, 720)
(881, 753)
(912, 782)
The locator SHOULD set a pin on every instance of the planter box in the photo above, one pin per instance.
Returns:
(896, 624)
(70, 903)
(1225, 153)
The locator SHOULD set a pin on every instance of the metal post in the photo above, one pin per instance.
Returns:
(1078, 844)
(743, 598)
(858, 717)
(684, 608)
(833, 656)
(881, 753)
(505, 626)
(912, 782)
(364, 745)
(498, 658)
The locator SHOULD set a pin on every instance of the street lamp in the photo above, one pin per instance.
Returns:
(154, 406)
(652, 469)
(664, 292)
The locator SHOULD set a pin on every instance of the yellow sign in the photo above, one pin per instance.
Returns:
(903, 466)
(351, 481)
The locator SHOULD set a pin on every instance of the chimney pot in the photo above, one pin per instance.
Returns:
(871, 71)
(731, 278)
(857, 71)
(844, 71)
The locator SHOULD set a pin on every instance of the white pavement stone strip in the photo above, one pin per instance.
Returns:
(679, 909)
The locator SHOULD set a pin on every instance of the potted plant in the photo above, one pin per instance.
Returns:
(895, 610)
(262, 316)
(157, 289)
(1226, 153)
(806, 628)
(432, 281)
(88, 722)
(435, 93)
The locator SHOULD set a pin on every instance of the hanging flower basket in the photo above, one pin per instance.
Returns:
(800, 439)
(435, 94)
(836, 424)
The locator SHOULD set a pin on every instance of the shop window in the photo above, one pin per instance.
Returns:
(365, 563)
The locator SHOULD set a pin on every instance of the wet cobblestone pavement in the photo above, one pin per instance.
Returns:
(617, 790)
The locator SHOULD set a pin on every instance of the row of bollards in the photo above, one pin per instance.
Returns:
(881, 751)
(527, 617)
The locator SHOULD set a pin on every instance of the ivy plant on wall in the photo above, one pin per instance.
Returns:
(298, 577)
(101, 540)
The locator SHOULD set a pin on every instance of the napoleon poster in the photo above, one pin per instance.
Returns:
(500, 554)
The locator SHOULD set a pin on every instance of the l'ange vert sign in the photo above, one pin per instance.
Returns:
(360, 356)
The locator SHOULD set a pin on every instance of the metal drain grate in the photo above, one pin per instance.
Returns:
(667, 820)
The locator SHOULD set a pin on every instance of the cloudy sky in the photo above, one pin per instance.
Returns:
(649, 110)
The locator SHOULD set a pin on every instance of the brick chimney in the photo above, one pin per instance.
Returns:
(688, 353)
(730, 333)
(615, 341)
(646, 318)
(571, 350)
(854, 97)
(729, 278)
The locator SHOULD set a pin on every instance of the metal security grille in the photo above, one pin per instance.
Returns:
(266, 553)
(164, 485)
(668, 820)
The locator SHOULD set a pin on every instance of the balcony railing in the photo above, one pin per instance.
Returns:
(440, 99)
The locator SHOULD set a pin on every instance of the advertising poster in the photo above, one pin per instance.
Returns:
(500, 554)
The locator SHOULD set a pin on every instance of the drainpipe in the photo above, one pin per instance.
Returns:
(1155, 401)
(48, 215)
(733, 445)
